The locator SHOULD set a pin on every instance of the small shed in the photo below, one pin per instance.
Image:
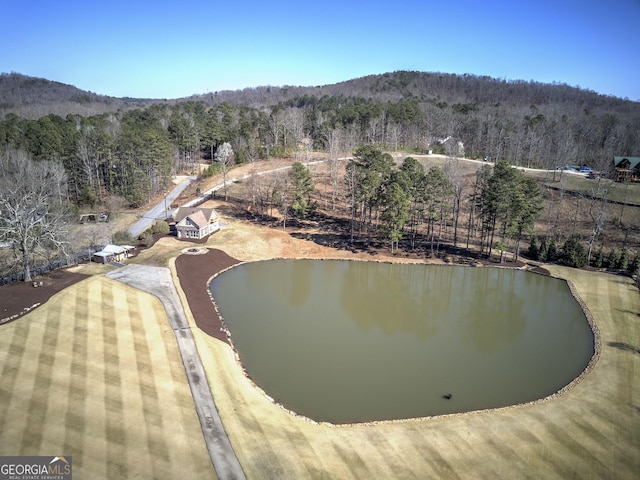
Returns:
(113, 253)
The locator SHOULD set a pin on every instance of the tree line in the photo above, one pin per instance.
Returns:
(132, 153)
(128, 156)
(427, 211)
(405, 201)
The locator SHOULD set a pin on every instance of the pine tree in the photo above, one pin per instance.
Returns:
(574, 252)
(623, 261)
(533, 252)
(552, 252)
(543, 253)
(599, 259)
(302, 186)
(612, 259)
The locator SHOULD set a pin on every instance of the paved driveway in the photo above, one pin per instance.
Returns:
(159, 212)
(158, 282)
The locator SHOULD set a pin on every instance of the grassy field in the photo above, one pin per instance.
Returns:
(95, 373)
(618, 192)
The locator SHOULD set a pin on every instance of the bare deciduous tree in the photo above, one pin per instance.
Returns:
(224, 156)
(33, 217)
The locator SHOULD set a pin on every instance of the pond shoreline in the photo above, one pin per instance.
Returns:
(217, 262)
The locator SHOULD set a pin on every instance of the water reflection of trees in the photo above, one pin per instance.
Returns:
(287, 282)
(487, 303)
(493, 308)
(299, 281)
(394, 297)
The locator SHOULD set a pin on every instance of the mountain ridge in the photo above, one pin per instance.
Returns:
(33, 97)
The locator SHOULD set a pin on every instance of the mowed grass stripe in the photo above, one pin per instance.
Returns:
(117, 388)
(91, 451)
(156, 443)
(33, 409)
(13, 342)
(43, 391)
(113, 414)
(55, 342)
(75, 420)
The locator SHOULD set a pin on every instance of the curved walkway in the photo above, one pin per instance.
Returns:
(158, 282)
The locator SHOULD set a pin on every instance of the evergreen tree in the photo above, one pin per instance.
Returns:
(552, 251)
(543, 254)
(533, 251)
(302, 186)
(623, 261)
(612, 259)
(574, 252)
(599, 259)
(395, 203)
(511, 205)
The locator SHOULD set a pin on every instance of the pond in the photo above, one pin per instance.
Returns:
(348, 342)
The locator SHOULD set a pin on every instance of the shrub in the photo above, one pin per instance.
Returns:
(533, 252)
(211, 170)
(122, 237)
(623, 261)
(160, 227)
(599, 258)
(146, 238)
(574, 252)
(612, 259)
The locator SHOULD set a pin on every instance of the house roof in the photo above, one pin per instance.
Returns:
(196, 219)
(634, 162)
(208, 214)
(113, 249)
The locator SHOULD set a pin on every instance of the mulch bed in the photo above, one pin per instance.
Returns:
(18, 298)
(194, 271)
(540, 270)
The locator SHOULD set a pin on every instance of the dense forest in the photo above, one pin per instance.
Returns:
(131, 150)
(128, 149)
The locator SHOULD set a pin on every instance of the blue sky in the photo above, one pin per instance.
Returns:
(170, 49)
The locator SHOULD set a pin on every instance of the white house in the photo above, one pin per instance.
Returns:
(196, 222)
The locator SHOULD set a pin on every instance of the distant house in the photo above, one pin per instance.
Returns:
(113, 253)
(196, 222)
(627, 169)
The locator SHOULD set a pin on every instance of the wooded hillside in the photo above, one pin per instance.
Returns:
(114, 149)
(524, 123)
(32, 97)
